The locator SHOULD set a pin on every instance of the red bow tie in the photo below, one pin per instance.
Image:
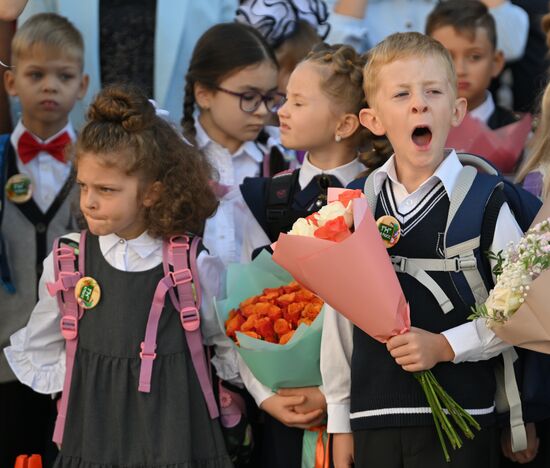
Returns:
(28, 147)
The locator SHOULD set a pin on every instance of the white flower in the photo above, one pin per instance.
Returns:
(302, 227)
(329, 212)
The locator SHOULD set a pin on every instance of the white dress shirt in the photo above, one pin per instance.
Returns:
(48, 175)
(471, 341)
(484, 111)
(222, 232)
(255, 237)
(37, 352)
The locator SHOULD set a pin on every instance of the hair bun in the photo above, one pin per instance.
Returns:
(125, 105)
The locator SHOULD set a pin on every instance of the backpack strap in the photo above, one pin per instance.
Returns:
(280, 191)
(65, 258)
(179, 253)
(368, 190)
(5, 273)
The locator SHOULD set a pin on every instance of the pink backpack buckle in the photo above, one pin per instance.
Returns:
(190, 318)
(69, 327)
(65, 280)
(181, 276)
(65, 253)
(179, 242)
(144, 355)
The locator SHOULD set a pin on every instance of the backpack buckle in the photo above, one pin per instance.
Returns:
(468, 263)
(179, 242)
(66, 280)
(69, 327)
(190, 318)
(144, 355)
(180, 276)
(65, 253)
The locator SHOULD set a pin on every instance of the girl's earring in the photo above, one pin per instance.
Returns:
(337, 138)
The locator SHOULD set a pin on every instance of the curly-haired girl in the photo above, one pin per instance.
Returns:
(133, 393)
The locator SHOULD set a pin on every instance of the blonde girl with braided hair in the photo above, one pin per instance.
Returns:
(320, 115)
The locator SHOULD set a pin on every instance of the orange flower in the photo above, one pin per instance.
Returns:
(275, 314)
(335, 230)
(347, 195)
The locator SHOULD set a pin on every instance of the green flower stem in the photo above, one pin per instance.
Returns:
(435, 405)
(442, 405)
(422, 381)
(469, 418)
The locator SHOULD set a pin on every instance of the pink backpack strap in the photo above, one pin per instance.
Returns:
(66, 277)
(182, 256)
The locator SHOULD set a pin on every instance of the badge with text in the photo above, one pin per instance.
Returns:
(87, 292)
(390, 230)
(19, 188)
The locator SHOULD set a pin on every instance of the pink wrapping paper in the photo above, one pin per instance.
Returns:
(354, 276)
(502, 146)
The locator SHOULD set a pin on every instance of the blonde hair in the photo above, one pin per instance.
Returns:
(51, 31)
(341, 70)
(401, 46)
(539, 146)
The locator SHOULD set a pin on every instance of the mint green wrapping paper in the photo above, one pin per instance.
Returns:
(295, 364)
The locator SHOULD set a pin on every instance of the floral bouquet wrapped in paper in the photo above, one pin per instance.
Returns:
(517, 307)
(275, 321)
(502, 146)
(351, 271)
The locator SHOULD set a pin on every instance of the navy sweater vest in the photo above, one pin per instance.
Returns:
(382, 393)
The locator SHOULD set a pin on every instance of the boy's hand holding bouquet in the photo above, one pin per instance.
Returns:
(340, 256)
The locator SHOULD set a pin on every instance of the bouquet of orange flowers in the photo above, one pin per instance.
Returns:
(275, 314)
(272, 320)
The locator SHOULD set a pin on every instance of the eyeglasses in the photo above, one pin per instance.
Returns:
(249, 101)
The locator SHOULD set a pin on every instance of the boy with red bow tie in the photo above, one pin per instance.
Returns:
(35, 203)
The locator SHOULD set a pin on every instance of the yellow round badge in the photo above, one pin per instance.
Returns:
(390, 230)
(19, 188)
(87, 292)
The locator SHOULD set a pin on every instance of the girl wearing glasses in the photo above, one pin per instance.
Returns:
(320, 115)
(230, 94)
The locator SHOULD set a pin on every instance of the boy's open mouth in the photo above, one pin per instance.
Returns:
(422, 136)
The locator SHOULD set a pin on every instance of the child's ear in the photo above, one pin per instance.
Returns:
(347, 126)
(369, 119)
(84, 83)
(152, 194)
(203, 95)
(498, 63)
(9, 83)
(459, 111)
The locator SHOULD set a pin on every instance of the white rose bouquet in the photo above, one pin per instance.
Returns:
(517, 307)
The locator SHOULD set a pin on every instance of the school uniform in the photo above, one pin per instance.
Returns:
(367, 392)
(222, 235)
(28, 230)
(309, 197)
(109, 422)
(493, 115)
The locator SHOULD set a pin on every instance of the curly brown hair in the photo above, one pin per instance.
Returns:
(123, 130)
(342, 73)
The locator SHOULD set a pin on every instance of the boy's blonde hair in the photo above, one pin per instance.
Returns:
(401, 46)
(51, 31)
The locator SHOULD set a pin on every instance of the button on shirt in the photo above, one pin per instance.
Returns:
(37, 352)
(48, 175)
(471, 341)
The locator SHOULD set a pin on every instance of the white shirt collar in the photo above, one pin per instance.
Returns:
(345, 174)
(20, 129)
(248, 148)
(143, 245)
(447, 172)
(484, 111)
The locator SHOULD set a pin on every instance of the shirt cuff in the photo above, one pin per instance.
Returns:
(338, 420)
